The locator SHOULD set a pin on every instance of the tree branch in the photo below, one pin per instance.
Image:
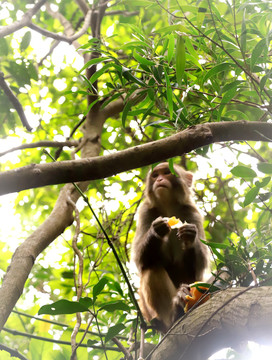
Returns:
(45, 143)
(26, 19)
(14, 101)
(229, 317)
(36, 175)
(83, 6)
(58, 37)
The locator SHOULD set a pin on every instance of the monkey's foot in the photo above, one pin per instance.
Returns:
(179, 301)
(158, 325)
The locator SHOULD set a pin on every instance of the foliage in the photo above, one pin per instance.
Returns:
(175, 64)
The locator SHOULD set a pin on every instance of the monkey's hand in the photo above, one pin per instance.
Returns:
(187, 233)
(179, 301)
(160, 226)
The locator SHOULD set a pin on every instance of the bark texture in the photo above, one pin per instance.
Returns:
(229, 317)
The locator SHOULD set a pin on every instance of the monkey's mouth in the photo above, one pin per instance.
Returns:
(162, 186)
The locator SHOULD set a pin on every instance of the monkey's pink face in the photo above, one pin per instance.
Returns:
(162, 180)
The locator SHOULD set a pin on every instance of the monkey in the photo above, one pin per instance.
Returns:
(168, 259)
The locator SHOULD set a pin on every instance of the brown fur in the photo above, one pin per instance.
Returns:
(167, 259)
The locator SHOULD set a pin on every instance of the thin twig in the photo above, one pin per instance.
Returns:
(15, 102)
(122, 348)
(78, 280)
(45, 143)
(58, 37)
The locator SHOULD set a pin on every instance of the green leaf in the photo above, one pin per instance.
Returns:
(243, 37)
(214, 245)
(229, 95)
(225, 100)
(114, 285)
(135, 44)
(257, 52)
(172, 28)
(227, 87)
(67, 274)
(263, 183)
(243, 172)
(92, 62)
(251, 196)
(142, 60)
(212, 288)
(114, 306)
(180, 59)
(169, 95)
(63, 307)
(127, 75)
(171, 48)
(171, 165)
(239, 114)
(86, 301)
(201, 15)
(157, 71)
(219, 256)
(191, 50)
(264, 218)
(216, 70)
(25, 41)
(90, 342)
(126, 109)
(32, 71)
(264, 79)
(113, 331)
(99, 287)
(99, 72)
(265, 168)
(4, 48)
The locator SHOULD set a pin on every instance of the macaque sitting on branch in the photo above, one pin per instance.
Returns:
(168, 259)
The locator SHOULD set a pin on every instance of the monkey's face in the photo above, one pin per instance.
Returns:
(162, 182)
(163, 186)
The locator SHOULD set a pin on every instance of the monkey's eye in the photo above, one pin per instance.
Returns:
(154, 175)
(167, 172)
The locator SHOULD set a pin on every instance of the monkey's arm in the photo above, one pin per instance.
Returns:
(196, 254)
(147, 245)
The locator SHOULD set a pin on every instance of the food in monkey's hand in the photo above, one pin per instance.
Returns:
(197, 292)
(174, 223)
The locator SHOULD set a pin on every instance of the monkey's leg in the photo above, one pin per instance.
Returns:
(156, 294)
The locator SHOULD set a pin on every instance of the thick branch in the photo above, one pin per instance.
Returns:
(33, 176)
(247, 315)
(26, 19)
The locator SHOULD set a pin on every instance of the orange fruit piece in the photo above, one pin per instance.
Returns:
(195, 296)
(173, 221)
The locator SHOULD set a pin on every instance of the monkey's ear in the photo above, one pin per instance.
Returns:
(189, 178)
